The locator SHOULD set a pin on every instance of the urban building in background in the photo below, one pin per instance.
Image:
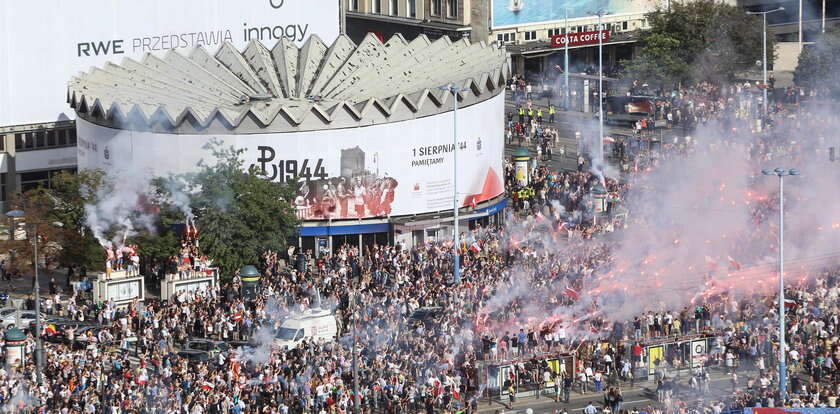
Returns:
(37, 129)
(367, 129)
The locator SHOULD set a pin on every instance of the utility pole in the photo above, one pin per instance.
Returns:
(355, 364)
(600, 88)
(566, 60)
(800, 25)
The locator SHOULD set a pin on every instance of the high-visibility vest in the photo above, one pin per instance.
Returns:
(551, 110)
(521, 111)
(530, 112)
(539, 113)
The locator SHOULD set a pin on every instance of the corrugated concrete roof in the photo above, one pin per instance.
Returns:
(288, 88)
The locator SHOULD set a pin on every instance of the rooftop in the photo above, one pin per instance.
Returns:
(288, 88)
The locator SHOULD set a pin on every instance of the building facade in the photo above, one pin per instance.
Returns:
(30, 155)
(411, 18)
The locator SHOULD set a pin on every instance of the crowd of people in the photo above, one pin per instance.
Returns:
(425, 341)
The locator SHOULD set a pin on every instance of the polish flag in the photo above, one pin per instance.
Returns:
(207, 386)
(571, 293)
(474, 247)
(773, 411)
(713, 265)
(733, 264)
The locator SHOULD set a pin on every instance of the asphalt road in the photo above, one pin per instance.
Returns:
(566, 124)
(642, 395)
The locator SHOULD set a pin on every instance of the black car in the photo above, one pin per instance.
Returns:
(212, 347)
(426, 313)
(195, 355)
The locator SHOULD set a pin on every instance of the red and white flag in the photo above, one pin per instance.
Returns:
(734, 265)
(571, 293)
(713, 265)
(475, 247)
(206, 385)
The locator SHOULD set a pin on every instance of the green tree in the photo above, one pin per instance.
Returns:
(65, 203)
(819, 64)
(239, 213)
(659, 63)
(697, 41)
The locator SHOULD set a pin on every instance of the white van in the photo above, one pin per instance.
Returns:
(313, 325)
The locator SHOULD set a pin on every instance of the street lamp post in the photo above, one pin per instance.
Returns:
(455, 90)
(781, 173)
(600, 145)
(566, 60)
(764, 54)
(39, 344)
(354, 310)
(800, 25)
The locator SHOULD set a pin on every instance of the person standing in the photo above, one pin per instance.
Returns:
(568, 382)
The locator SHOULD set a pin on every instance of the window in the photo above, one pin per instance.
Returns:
(500, 38)
(411, 8)
(394, 7)
(354, 5)
(451, 9)
(436, 6)
(3, 187)
(34, 179)
(376, 6)
(532, 35)
(43, 139)
(624, 25)
(2, 142)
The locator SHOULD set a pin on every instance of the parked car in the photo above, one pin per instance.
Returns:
(23, 317)
(195, 355)
(213, 348)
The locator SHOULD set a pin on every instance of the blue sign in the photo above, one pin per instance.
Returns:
(521, 12)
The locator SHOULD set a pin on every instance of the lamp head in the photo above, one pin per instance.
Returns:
(779, 171)
(793, 171)
(768, 172)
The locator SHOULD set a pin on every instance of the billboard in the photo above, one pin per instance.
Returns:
(381, 170)
(510, 13)
(46, 42)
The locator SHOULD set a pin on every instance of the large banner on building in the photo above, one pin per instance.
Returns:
(46, 42)
(511, 13)
(389, 169)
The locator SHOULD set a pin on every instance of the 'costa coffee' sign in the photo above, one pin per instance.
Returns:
(577, 39)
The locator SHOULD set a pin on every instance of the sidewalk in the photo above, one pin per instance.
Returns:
(643, 391)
